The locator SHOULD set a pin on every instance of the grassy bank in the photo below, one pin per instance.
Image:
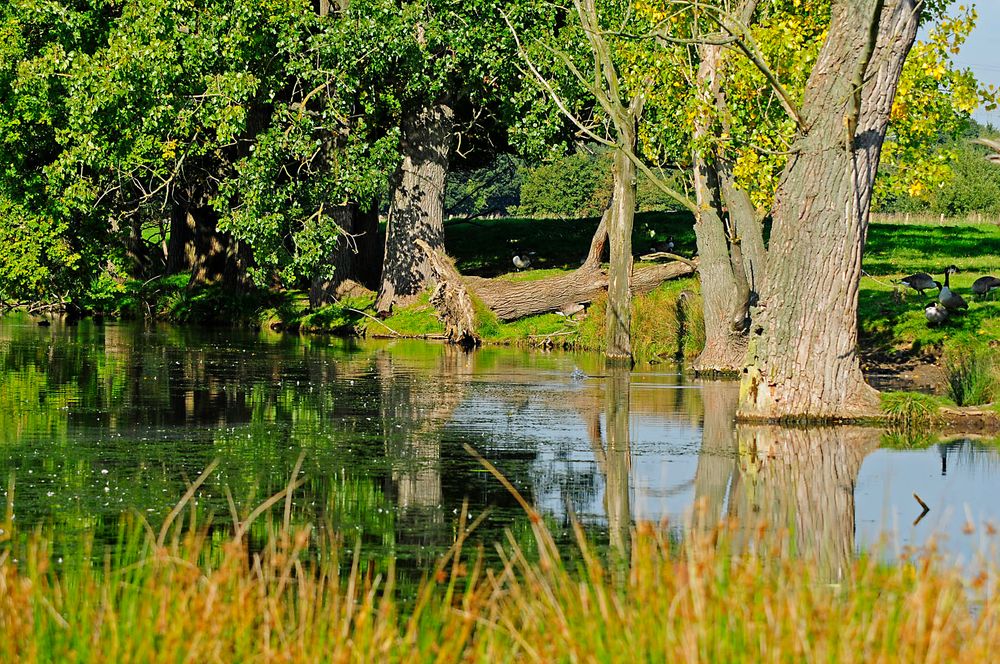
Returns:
(729, 594)
(891, 317)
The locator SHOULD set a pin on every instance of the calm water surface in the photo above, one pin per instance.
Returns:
(97, 421)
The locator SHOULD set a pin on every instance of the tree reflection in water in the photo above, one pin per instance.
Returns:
(797, 484)
(801, 482)
(618, 458)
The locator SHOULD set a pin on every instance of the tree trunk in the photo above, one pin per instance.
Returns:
(723, 283)
(803, 360)
(197, 246)
(619, 314)
(746, 224)
(511, 300)
(354, 260)
(416, 210)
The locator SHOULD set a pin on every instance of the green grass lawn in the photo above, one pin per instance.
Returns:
(891, 320)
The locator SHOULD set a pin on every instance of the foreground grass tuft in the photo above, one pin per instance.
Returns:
(973, 374)
(194, 593)
(911, 409)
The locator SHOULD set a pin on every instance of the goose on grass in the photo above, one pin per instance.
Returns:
(936, 313)
(523, 261)
(948, 297)
(983, 285)
(919, 282)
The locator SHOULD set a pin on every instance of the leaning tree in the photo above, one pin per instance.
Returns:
(803, 356)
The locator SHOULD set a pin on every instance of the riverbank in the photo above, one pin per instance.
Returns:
(898, 347)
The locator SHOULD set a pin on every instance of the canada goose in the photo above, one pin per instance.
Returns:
(950, 299)
(667, 246)
(936, 313)
(983, 285)
(523, 262)
(919, 282)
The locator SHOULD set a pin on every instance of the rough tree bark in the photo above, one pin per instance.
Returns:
(355, 260)
(416, 210)
(620, 220)
(802, 360)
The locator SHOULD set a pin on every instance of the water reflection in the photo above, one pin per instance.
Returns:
(100, 420)
(618, 458)
(802, 481)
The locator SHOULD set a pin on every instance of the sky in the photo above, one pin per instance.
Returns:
(981, 52)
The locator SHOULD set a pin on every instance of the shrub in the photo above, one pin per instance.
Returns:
(577, 185)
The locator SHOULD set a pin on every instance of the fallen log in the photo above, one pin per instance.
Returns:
(511, 300)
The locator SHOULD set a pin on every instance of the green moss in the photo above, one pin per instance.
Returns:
(416, 320)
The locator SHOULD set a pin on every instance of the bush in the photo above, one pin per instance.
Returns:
(577, 185)
(974, 185)
(491, 190)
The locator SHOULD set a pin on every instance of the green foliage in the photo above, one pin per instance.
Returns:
(932, 108)
(972, 185)
(491, 190)
(570, 187)
(37, 259)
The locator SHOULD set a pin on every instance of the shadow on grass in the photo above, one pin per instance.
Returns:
(905, 248)
(485, 247)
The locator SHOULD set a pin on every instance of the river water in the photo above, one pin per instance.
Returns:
(101, 421)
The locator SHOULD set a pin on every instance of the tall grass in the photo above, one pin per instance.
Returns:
(719, 596)
(973, 374)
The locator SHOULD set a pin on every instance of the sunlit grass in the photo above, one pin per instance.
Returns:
(973, 374)
(191, 592)
(911, 409)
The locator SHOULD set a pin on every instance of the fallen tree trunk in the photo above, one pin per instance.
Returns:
(451, 298)
(511, 300)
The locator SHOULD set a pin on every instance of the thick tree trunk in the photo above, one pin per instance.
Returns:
(354, 261)
(197, 246)
(619, 314)
(416, 210)
(803, 361)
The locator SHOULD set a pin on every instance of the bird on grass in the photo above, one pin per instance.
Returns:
(523, 262)
(667, 246)
(936, 313)
(948, 297)
(983, 285)
(919, 282)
